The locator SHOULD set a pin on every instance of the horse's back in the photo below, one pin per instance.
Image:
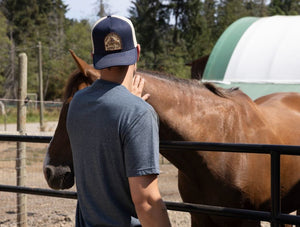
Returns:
(282, 111)
(289, 99)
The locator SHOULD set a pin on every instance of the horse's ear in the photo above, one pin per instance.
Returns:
(88, 70)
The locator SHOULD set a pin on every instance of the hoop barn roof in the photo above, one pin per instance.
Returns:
(257, 50)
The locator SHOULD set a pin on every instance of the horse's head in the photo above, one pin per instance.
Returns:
(58, 163)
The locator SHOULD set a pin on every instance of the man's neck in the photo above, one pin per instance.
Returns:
(117, 75)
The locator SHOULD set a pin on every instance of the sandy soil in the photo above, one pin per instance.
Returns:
(58, 212)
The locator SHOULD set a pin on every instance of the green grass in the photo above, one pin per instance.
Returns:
(32, 115)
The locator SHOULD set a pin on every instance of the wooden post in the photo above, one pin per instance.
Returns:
(4, 114)
(41, 92)
(21, 146)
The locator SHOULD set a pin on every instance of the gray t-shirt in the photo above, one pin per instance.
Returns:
(113, 135)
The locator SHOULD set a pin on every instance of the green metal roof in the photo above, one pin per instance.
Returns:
(222, 51)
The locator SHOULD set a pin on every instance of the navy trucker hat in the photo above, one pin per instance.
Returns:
(114, 42)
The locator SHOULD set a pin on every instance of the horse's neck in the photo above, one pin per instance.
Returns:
(61, 137)
(187, 112)
(193, 113)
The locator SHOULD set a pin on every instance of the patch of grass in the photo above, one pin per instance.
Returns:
(32, 115)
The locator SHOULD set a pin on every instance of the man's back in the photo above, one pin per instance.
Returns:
(106, 125)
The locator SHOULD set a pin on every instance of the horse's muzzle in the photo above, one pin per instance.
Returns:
(59, 177)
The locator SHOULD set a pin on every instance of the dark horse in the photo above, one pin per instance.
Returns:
(192, 111)
(198, 67)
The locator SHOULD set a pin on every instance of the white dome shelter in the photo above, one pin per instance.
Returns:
(259, 55)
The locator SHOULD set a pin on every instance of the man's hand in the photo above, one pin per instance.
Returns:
(138, 86)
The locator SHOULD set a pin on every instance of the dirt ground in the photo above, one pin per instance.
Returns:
(58, 212)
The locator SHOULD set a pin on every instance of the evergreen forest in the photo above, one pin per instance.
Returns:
(171, 33)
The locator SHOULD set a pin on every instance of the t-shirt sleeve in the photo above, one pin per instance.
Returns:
(141, 145)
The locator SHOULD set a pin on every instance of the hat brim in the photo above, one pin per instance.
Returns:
(116, 59)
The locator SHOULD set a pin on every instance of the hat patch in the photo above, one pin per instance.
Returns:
(112, 42)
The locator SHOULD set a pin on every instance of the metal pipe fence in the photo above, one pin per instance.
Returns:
(275, 217)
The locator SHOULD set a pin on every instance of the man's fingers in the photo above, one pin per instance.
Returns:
(136, 80)
(146, 96)
(138, 86)
(141, 84)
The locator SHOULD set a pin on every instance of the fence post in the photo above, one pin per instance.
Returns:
(41, 92)
(21, 146)
(275, 187)
(4, 114)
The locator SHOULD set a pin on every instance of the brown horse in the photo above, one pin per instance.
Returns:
(198, 67)
(192, 111)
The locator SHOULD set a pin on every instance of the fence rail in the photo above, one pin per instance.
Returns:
(275, 217)
(179, 145)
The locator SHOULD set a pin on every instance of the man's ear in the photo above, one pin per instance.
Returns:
(138, 49)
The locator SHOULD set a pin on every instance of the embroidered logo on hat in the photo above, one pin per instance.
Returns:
(112, 42)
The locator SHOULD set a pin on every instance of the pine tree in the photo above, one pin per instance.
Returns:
(210, 15)
(294, 7)
(10, 75)
(177, 7)
(102, 9)
(150, 19)
(53, 38)
(196, 24)
(276, 7)
(284, 7)
(228, 12)
(257, 8)
(5, 45)
(31, 21)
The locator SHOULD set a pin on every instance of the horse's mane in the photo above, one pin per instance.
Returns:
(78, 77)
(222, 92)
(73, 82)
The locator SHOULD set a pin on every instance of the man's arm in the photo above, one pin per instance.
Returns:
(147, 200)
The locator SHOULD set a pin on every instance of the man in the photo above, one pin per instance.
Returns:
(114, 137)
